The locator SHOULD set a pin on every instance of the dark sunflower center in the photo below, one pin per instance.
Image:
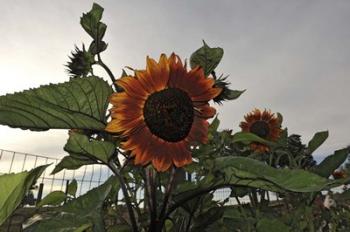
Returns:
(169, 114)
(260, 128)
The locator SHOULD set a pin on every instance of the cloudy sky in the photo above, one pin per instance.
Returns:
(293, 57)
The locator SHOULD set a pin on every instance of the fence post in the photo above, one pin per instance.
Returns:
(40, 193)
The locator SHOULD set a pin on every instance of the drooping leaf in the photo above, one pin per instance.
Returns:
(80, 103)
(233, 171)
(247, 138)
(54, 198)
(206, 57)
(332, 162)
(72, 162)
(83, 212)
(317, 141)
(72, 187)
(83, 151)
(246, 169)
(13, 189)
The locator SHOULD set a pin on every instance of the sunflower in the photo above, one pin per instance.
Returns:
(263, 124)
(162, 111)
(339, 174)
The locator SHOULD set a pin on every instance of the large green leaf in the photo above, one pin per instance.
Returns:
(317, 141)
(246, 169)
(206, 57)
(80, 103)
(13, 188)
(332, 162)
(84, 151)
(242, 171)
(83, 212)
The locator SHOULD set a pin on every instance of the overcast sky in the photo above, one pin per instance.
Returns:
(293, 57)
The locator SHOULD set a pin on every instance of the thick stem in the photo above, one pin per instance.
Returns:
(115, 170)
(151, 199)
(167, 197)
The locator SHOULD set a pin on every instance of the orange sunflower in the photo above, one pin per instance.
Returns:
(263, 124)
(163, 111)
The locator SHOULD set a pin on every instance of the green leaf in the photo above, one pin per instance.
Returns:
(54, 198)
(72, 187)
(84, 151)
(317, 141)
(80, 144)
(247, 138)
(91, 22)
(82, 212)
(206, 57)
(332, 162)
(271, 225)
(13, 189)
(99, 47)
(233, 94)
(72, 162)
(80, 103)
(207, 218)
(252, 173)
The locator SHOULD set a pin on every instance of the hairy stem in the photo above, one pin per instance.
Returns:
(109, 72)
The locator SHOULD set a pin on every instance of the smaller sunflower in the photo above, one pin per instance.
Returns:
(339, 174)
(263, 124)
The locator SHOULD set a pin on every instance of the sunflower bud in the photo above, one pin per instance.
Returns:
(80, 63)
(226, 93)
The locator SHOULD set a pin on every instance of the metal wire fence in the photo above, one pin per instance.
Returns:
(87, 177)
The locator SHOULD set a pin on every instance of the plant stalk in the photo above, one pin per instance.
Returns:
(115, 170)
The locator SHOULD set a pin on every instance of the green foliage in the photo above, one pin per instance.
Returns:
(332, 162)
(253, 173)
(79, 103)
(91, 22)
(247, 138)
(13, 189)
(271, 225)
(206, 57)
(54, 198)
(82, 213)
(84, 151)
(72, 188)
(316, 141)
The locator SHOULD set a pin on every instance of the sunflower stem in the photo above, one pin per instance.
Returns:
(116, 171)
(152, 199)
(167, 199)
(109, 72)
